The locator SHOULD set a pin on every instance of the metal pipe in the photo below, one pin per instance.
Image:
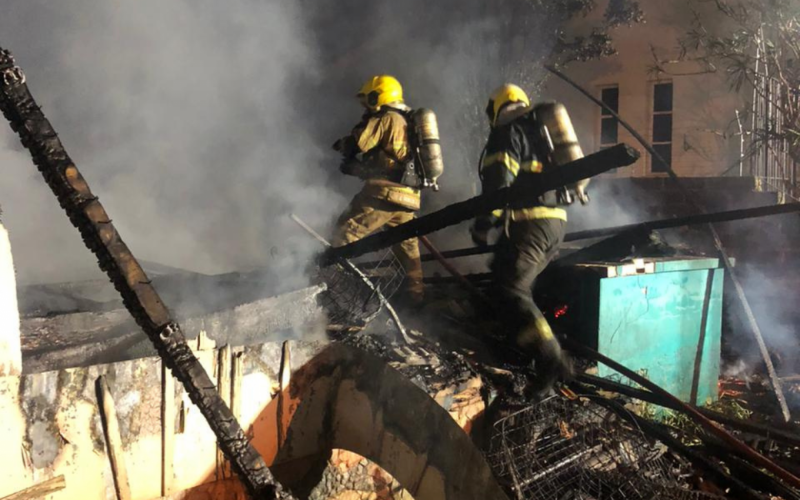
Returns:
(741, 144)
(450, 269)
(385, 303)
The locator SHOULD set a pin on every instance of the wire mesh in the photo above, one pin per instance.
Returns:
(349, 300)
(568, 450)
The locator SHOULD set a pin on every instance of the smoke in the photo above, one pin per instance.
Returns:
(183, 118)
(768, 281)
(201, 126)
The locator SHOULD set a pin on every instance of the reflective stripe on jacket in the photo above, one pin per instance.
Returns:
(510, 153)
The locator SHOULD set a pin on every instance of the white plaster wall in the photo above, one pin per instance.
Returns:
(10, 351)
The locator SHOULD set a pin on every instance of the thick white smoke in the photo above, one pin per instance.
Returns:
(202, 125)
(182, 117)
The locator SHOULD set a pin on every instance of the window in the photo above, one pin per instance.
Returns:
(608, 124)
(662, 125)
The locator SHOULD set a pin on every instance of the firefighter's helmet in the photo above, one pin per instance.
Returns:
(506, 94)
(379, 91)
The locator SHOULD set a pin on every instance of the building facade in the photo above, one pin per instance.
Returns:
(688, 114)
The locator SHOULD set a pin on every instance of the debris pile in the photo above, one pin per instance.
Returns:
(570, 449)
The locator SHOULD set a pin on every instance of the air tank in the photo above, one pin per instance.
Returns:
(562, 141)
(429, 149)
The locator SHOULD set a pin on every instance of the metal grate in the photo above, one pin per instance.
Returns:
(567, 450)
(349, 300)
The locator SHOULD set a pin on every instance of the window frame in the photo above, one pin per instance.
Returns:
(651, 125)
(602, 117)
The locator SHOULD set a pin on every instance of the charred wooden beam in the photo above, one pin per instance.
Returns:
(115, 258)
(766, 431)
(473, 279)
(690, 220)
(699, 460)
(654, 225)
(700, 419)
(517, 195)
(608, 249)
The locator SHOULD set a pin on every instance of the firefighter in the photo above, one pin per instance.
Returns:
(376, 151)
(530, 236)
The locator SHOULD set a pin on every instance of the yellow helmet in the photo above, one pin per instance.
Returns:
(379, 91)
(508, 93)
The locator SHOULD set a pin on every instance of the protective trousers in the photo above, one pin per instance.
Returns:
(521, 255)
(367, 214)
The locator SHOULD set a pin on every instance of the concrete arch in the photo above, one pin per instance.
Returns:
(345, 398)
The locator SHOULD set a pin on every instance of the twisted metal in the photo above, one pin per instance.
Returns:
(563, 449)
(348, 300)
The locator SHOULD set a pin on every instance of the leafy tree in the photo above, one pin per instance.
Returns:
(755, 45)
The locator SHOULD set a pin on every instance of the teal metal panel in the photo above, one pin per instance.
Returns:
(651, 323)
(665, 266)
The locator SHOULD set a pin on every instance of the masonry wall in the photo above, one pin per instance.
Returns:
(50, 426)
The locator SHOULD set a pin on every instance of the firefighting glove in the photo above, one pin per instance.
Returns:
(480, 232)
(354, 167)
(347, 167)
(346, 146)
(580, 191)
(582, 195)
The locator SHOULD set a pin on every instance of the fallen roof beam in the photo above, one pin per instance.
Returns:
(654, 225)
(517, 196)
(608, 249)
(689, 220)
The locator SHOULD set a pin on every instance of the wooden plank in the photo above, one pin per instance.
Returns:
(39, 490)
(167, 430)
(224, 388)
(517, 196)
(701, 342)
(284, 379)
(110, 423)
(237, 372)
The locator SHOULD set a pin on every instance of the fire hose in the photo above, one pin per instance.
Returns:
(139, 296)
